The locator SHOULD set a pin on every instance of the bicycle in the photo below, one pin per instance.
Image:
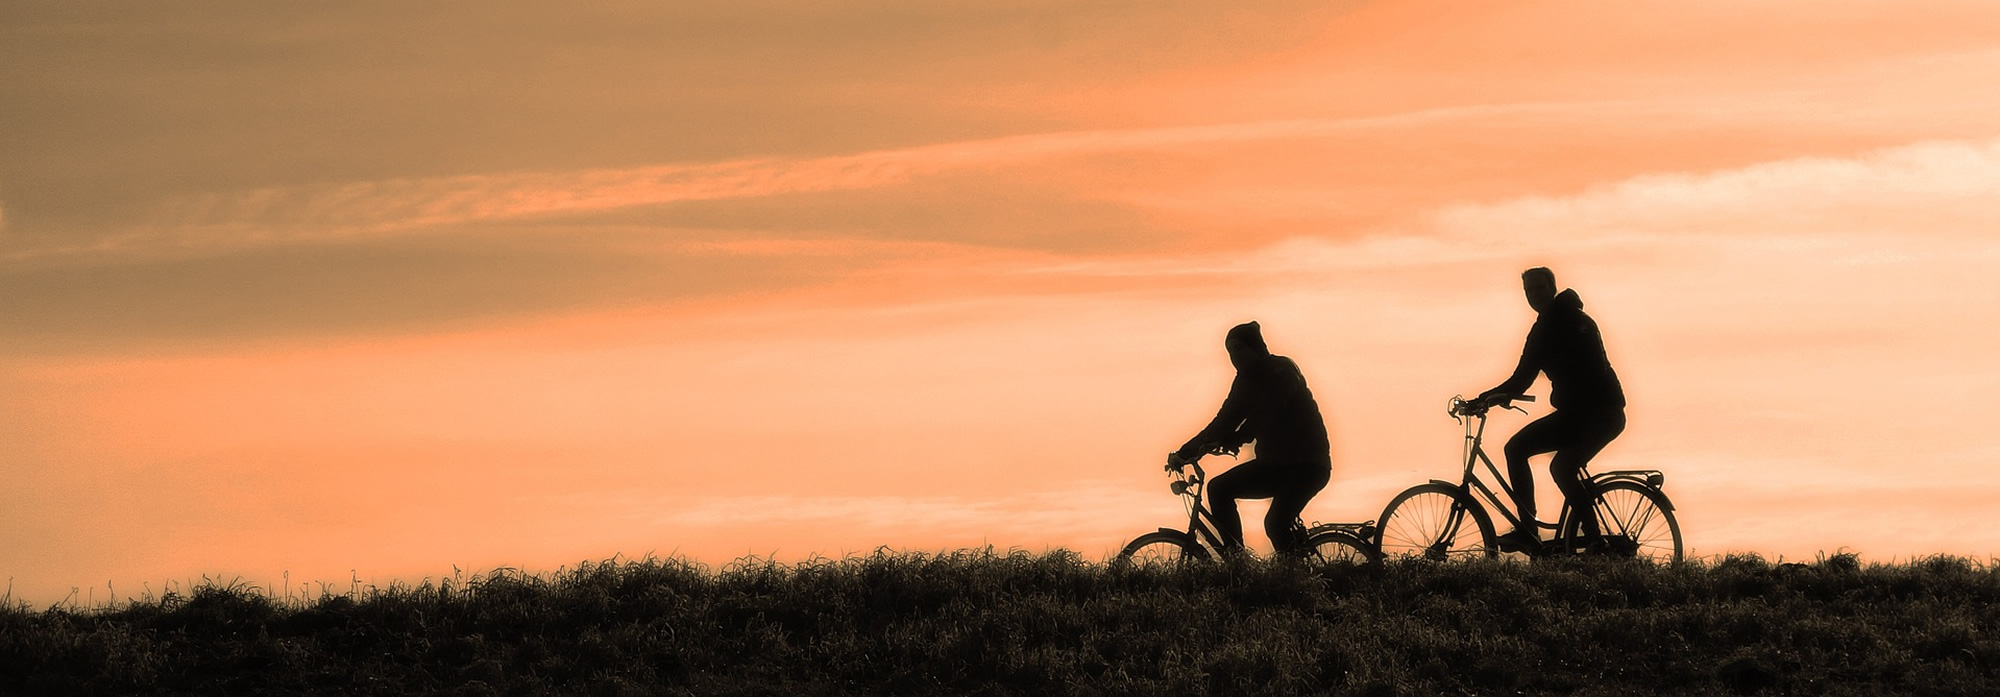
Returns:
(1441, 520)
(1325, 542)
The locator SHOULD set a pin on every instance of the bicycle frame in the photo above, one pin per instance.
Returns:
(1475, 455)
(1191, 482)
(1613, 513)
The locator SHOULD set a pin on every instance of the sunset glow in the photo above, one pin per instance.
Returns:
(316, 293)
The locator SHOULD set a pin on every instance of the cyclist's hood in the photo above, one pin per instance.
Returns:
(1250, 337)
(1567, 301)
(1246, 346)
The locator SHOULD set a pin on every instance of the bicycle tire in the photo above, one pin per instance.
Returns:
(1415, 525)
(1340, 547)
(1635, 521)
(1162, 547)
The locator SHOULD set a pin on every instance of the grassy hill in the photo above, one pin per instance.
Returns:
(979, 622)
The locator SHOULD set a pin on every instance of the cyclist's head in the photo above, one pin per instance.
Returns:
(1245, 342)
(1540, 285)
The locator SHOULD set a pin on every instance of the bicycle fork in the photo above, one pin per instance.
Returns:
(1441, 549)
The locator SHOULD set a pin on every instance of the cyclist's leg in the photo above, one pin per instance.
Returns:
(1544, 435)
(1257, 478)
(1300, 485)
(1588, 438)
(1243, 481)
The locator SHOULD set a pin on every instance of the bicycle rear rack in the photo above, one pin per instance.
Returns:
(1650, 477)
(1363, 530)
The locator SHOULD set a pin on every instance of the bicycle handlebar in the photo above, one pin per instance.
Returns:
(1461, 406)
(1174, 460)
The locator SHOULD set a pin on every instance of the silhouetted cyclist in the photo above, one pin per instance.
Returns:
(1589, 402)
(1270, 404)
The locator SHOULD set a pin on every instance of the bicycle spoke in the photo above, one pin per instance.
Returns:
(1440, 521)
(1623, 522)
(1430, 522)
(1632, 523)
(1434, 522)
(1642, 516)
(1651, 537)
(1405, 536)
(1414, 531)
(1612, 518)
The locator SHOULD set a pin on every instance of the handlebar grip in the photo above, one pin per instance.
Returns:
(1525, 397)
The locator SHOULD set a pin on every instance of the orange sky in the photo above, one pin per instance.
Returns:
(377, 290)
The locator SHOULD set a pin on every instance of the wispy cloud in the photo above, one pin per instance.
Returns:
(280, 214)
(1896, 177)
(1934, 197)
(1938, 187)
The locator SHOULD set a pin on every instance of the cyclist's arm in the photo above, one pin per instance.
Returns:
(1532, 353)
(1223, 429)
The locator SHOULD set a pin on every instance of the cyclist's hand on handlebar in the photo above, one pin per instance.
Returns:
(1461, 406)
(1182, 458)
(1499, 398)
(1477, 405)
(1226, 447)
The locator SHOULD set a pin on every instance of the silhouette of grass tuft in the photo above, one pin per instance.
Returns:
(986, 622)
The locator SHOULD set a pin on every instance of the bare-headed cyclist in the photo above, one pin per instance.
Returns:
(1589, 402)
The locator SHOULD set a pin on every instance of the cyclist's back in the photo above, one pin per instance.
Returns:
(1566, 345)
(1270, 403)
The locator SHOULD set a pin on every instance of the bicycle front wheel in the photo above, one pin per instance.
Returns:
(1162, 547)
(1340, 547)
(1437, 523)
(1635, 521)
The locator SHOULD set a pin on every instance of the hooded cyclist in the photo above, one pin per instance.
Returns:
(1268, 403)
(1589, 402)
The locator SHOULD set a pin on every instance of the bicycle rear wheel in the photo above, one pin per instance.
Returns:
(1636, 522)
(1438, 523)
(1162, 547)
(1340, 547)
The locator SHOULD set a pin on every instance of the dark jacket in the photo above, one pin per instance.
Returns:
(1565, 345)
(1269, 402)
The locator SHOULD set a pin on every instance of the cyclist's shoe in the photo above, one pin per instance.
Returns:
(1519, 541)
(1613, 546)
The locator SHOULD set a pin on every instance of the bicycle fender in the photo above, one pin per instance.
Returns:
(1665, 502)
(1183, 534)
(1453, 485)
